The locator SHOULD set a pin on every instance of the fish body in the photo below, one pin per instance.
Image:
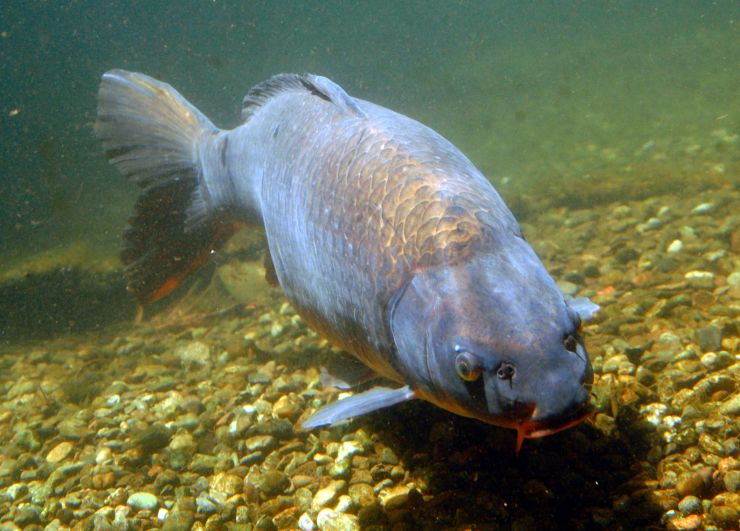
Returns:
(383, 235)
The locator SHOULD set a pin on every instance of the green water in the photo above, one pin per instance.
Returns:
(532, 92)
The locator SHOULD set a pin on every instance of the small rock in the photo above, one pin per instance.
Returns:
(287, 407)
(709, 360)
(687, 523)
(675, 247)
(260, 443)
(567, 287)
(732, 406)
(205, 505)
(27, 514)
(700, 279)
(305, 523)
(327, 495)
(691, 484)
(194, 353)
(59, 452)
(703, 208)
(732, 480)
(329, 520)
(362, 494)
(271, 483)
(348, 449)
(143, 501)
(690, 505)
(726, 516)
(224, 485)
(394, 497)
(17, 491)
(388, 456)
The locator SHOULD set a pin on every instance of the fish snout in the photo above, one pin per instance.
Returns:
(541, 398)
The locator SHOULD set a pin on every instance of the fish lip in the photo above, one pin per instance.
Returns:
(533, 429)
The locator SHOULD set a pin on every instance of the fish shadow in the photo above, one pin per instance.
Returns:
(471, 477)
(62, 301)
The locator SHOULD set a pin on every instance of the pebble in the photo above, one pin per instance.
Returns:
(732, 480)
(27, 514)
(271, 483)
(260, 442)
(731, 407)
(205, 505)
(690, 505)
(686, 523)
(327, 495)
(700, 279)
(691, 484)
(224, 485)
(287, 407)
(305, 523)
(143, 501)
(329, 520)
(194, 353)
(675, 247)
(703, 208)
(362, 494)
(394, 497)
(224, 449)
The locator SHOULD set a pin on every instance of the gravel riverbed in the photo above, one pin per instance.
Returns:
(195, 424)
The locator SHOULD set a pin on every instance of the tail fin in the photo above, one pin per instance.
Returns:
(152, 135)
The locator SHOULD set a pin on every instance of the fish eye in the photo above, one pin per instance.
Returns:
(468, 366)
(570, 343)
(505, 371)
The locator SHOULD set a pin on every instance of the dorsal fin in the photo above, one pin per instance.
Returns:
(319, 86)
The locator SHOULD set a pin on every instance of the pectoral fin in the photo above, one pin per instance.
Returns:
(359, 404)
(585, 309)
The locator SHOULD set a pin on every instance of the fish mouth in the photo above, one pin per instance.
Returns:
(532, 429)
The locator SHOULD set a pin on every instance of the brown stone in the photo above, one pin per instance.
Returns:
(687, 523)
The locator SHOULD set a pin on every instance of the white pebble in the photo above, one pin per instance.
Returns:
(348, 449)
(675, 247)
(305, 523)
(709, 360)
(113, 400)
(704, 208)
(344, 505)
(162, 514)
(276, 329)
(653, 413)
(103, 455)
(700, 279)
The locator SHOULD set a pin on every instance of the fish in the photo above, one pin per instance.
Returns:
(384, 237)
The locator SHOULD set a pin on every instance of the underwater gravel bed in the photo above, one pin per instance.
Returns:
(197, 426)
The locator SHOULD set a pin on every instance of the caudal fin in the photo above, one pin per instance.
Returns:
(152, 135)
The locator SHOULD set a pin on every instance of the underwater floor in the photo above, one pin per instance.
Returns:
(190, 420)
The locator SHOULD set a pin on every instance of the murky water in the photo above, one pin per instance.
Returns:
(610, 129)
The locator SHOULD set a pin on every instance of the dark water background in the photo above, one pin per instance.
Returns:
(533, 92)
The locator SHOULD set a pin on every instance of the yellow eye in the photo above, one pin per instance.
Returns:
(468, 367)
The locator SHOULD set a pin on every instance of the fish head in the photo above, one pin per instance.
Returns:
(493, 338)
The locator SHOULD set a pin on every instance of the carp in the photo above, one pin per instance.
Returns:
(384, 236)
